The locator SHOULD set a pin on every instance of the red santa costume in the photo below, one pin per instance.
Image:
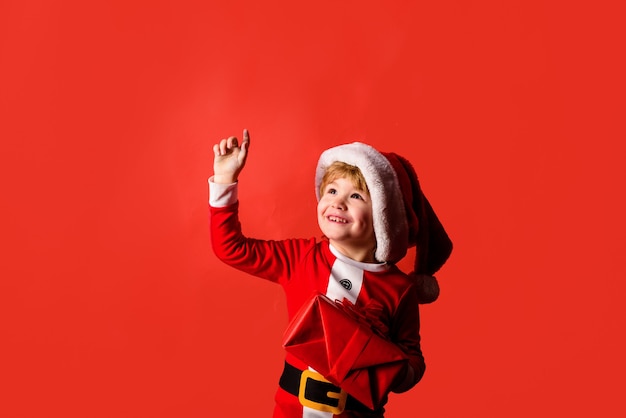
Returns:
(402, 217)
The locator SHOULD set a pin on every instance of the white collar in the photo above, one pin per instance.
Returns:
(373, 267)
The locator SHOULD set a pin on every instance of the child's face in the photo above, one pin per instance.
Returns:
(344, 214)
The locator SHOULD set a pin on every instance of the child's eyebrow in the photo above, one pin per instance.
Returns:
(354, 186)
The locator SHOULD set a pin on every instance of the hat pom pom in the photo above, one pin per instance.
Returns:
(427, 288)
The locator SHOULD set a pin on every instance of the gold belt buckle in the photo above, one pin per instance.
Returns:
(341, 396)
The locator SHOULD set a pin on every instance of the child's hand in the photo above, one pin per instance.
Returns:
(230, 158)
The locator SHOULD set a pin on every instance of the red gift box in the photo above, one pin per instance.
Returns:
(339, 343)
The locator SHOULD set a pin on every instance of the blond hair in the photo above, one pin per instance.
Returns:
(339, 169)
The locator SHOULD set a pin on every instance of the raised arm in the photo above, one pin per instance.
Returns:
(272, 260)
(230, 158)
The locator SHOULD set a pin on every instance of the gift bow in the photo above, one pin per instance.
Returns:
(369, 315)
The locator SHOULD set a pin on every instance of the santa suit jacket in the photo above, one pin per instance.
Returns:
(305, 267)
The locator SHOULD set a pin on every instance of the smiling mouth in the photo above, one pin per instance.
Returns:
(337, 220)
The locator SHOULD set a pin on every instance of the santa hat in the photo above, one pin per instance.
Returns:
(402, 215)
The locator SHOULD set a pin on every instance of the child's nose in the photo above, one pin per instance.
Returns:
(339, 203)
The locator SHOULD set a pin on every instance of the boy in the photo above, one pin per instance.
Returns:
(370, 210)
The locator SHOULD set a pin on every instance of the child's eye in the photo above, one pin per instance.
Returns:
(356, 196)
(331, 191)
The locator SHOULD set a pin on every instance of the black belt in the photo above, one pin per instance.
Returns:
(318, 394)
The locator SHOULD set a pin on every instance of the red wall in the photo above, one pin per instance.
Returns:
(111, 302)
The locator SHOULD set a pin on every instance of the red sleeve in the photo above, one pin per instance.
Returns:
(405, 333)
(271, 260)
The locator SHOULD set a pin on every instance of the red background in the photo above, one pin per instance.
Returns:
(111, 302)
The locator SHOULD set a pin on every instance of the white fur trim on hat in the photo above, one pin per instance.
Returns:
(389, 216)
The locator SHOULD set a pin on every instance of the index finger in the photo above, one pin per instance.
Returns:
(246, 138)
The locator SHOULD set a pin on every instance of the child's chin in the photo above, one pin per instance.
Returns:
(334, 236)
(337, 231)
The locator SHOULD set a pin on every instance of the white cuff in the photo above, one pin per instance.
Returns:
(221, 195)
